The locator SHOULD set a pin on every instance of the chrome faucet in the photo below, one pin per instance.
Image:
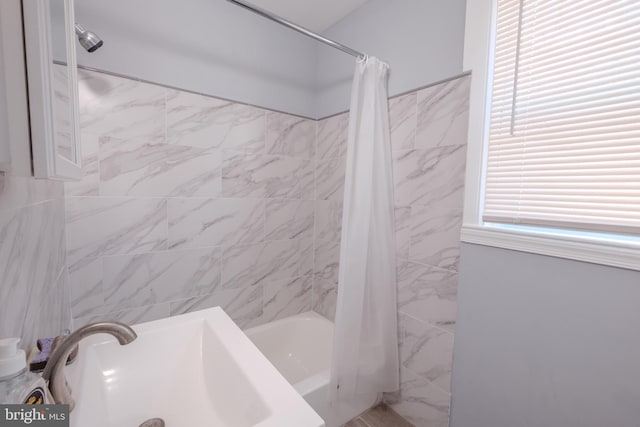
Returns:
(54, 370)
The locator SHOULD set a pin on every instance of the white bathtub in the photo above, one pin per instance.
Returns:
(300, 348)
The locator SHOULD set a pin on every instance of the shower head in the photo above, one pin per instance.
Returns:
(88, 40)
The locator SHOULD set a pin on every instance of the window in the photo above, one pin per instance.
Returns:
(562, 122)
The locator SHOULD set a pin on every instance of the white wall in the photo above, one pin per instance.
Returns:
(545, 342)
(421, 39)
(214, 47)
(207, 46)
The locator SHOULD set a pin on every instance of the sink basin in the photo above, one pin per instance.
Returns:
(193, 370)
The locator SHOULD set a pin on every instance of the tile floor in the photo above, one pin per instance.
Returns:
(380, 416)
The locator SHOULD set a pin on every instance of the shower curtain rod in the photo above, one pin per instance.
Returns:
(266, 14)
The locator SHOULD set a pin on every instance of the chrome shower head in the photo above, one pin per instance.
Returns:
(88, 40)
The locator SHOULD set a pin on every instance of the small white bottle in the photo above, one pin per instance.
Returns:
(17, 384)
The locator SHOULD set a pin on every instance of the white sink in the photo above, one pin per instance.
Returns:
(193, 370)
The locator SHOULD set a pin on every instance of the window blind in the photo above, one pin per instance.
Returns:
(564, 135)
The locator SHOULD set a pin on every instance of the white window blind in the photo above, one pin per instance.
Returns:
(564, 139)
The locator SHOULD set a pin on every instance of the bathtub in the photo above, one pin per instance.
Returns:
(300, 348)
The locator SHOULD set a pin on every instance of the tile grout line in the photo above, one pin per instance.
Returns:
(429, 382)
(426, 322)
(399, 258)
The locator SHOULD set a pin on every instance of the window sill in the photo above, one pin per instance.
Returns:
(598, 251)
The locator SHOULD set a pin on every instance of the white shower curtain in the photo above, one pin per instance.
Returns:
(365, 350)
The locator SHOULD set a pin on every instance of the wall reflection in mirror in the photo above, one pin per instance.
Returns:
(62, 111)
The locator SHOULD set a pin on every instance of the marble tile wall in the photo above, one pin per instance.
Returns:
(33, 288)
(331, 151)
(188, 202)
(428, 133)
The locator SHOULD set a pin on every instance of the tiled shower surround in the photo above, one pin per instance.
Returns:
(428, 136)
(190, 201)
